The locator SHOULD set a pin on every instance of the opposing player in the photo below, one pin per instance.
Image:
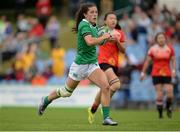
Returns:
(85, 64)
(161, 54)
(108, 60)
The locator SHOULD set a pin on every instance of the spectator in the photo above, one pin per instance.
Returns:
(143, 23)
(125, 23)
(36, 30)
(152, 30)
(177, 30)
(157, 15)
(136, 14)
(18, 68)
(52, 31)
(58, 67)
(47, 72)
(43, 11)
(22, 24)
(38, 79)
(28, 57)
(9, 29)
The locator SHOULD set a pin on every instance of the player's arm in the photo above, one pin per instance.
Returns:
(145, 66)
(173, 59)
(96, 41)
(121, 46)
(119, 38)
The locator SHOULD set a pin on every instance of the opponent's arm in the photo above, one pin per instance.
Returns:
(145, 66)
(173, 66)
(121, 46)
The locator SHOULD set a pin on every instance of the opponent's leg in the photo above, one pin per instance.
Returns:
(159, 99)
(169, 99)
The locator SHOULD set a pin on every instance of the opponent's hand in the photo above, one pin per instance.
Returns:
(112, 40)
(142, 76)
(115, 34)
(106, 36)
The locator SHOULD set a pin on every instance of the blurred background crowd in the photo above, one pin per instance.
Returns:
(37, 46)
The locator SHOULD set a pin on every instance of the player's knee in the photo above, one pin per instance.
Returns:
(170, 95)
(105, 87)
(159, 98)
(64, 91)
(115, 84)
(170, 92)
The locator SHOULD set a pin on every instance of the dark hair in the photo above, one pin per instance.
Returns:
(80, 14)
(160, 33)
(109, 13)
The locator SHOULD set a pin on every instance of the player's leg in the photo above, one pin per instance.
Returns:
(115, 85)
(169, 99)
(99, 78)
(94, 107)
(159, 99)
(65, 91)
(113, 81)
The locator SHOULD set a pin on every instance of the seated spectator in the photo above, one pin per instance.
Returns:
(39, 79)
(47, 73)
(28, 57)
(58, 66)
(9, 29)
(18, 68)
(36, 30)
(22, 24)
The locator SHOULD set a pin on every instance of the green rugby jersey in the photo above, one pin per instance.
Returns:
(85, 54)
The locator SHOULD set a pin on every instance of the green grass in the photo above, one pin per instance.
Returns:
(67, 119)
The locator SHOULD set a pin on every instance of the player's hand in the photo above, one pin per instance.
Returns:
(115, 34)
(112, 40)
(106, 35)
(142, 76)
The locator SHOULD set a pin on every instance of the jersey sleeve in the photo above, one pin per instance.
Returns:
(122, 36)
(84, 29)
(172, 50)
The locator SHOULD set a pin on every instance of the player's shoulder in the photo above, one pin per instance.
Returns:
(154, 47)
(83, 23)
(120, 31)
(170, 45)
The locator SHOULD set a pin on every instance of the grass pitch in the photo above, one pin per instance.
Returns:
(75, 119)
